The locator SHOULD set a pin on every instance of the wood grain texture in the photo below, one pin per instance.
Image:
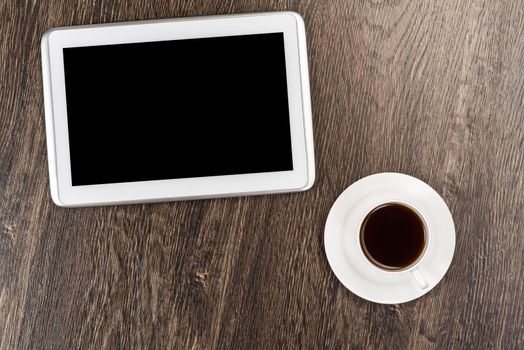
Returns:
(434, 89)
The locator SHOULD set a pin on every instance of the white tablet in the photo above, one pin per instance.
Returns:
(177, 109)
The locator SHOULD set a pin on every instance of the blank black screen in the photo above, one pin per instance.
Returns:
(177, 109)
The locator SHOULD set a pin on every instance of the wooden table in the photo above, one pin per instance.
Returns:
(434, 89)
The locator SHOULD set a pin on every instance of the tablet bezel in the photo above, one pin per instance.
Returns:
(300, 178)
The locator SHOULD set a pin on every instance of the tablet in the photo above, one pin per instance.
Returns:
(177, 109)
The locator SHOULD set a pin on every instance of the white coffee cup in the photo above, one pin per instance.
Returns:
(413, 267)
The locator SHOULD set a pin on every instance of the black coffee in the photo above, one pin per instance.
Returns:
(392, 236)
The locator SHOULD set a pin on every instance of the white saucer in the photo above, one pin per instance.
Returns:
(341, 238)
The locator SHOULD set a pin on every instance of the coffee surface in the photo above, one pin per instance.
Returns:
(392, 236)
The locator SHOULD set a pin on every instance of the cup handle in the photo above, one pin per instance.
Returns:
(419, 278)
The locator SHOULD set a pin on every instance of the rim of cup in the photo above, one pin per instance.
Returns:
(427, 236)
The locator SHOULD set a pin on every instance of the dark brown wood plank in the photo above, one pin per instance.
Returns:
(434, 89)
